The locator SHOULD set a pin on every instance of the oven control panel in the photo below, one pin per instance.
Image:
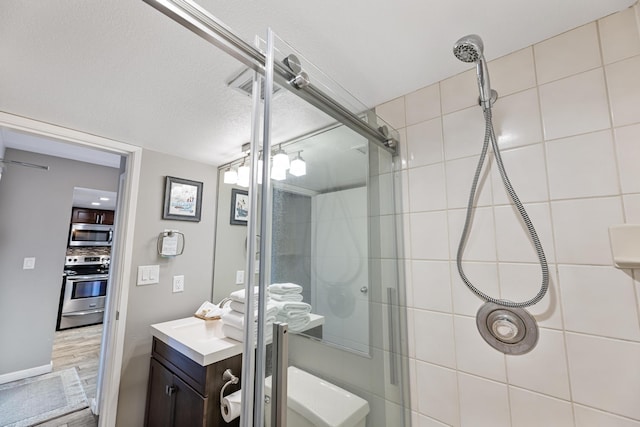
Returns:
(87, 260)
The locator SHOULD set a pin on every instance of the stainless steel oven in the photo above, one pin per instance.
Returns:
(84, 291)
(90, 235)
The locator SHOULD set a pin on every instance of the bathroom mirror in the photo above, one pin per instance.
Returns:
(320, 234)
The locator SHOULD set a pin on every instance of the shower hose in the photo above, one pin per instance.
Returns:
(490, 136)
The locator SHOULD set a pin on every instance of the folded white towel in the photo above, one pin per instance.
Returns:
(272, 309)
(295, 323)
(287, 297)
(285, 288)
(240, 296)
(236, 319)
(292, 307)
(238, 334)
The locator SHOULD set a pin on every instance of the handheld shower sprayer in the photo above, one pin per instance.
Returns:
(470, 49)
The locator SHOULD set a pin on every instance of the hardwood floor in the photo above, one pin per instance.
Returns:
(79, 348)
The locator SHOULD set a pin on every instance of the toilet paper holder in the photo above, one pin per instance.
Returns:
(229, 379)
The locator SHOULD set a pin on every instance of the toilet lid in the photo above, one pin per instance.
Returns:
(321, 402)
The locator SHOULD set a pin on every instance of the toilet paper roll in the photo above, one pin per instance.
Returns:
(231, 406)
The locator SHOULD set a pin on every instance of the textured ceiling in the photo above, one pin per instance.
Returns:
(122, 70)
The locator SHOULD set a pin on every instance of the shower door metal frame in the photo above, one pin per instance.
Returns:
(195, 18)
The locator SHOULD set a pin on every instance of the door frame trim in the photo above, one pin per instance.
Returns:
(113, 335)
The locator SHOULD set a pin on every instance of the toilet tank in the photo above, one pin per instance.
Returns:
(313, 401)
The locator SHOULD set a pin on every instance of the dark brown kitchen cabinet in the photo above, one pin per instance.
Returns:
(91, 216)
(183, 393)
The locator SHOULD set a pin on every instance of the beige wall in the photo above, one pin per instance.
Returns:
(156, 303)
(568, 120)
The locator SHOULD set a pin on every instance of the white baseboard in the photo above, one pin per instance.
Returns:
(26, 373)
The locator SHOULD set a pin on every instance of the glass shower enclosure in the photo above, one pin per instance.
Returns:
(329, 230)
(332, 231)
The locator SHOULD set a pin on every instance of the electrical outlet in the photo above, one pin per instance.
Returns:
(240, 277)
(178, 283)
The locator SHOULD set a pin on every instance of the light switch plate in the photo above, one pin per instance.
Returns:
(148, 274)
(29, 263)
(240, 277)
(178, 283)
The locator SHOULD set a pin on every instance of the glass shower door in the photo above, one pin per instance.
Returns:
(329, 256)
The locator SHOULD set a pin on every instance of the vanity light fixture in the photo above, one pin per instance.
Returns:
(278, 174)
(230, 176)
(281, 159)
(298, 166)
(243, 174)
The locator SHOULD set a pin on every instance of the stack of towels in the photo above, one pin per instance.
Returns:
(287, 297)
(233, 320)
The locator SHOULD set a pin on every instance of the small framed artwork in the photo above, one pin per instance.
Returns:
(239, 207)
(182, 199)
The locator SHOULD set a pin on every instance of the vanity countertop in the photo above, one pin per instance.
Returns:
(202, 340)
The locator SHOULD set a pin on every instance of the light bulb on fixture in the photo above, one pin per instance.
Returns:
(278, 174)
(230, 176)
(298, 166)
(281, 160)
(243, 175)
(260, 166)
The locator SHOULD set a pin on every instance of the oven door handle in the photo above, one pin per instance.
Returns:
(83, 313)
(74, 278)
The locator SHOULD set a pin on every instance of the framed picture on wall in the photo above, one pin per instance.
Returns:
(239, 207)
(182, 199)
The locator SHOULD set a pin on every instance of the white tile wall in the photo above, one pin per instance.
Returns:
(438, 393)
(512, 238)
(463, 133)
(582, 166)
(473, 355)
(581, 229)
(515, 72)
(575, 105)
(529, 178)
(610, 291)
(484, 276)
(604, 373)
(483, 403)
(569, 128)
(534, 410)
(628, 148)
(514, 130)
(459, 175)
(567, 54)
(521, 282)
(423, 104)
(589, 417)
(434, 338)
(624, 90)
(431, 283)
(619, 36)
(543, 370)
(427, 191)
(424, 142)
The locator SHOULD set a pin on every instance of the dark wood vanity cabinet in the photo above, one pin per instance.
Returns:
(183, 393)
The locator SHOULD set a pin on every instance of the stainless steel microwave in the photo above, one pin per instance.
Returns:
(90, 235)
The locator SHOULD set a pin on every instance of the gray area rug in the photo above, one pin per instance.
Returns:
(34, 400)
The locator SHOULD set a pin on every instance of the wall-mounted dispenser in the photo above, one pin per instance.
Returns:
(625, 245)
(170, 243)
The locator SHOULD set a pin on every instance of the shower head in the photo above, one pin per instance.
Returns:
(470, 49)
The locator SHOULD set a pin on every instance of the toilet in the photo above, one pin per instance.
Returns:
(314, 402)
